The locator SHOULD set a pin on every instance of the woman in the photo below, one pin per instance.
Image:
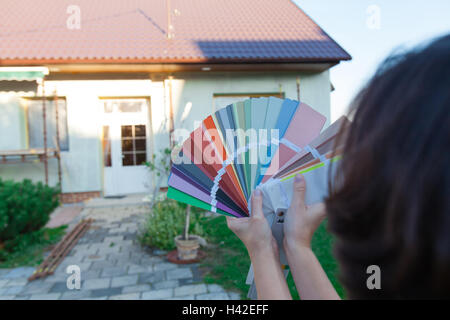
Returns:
(391, 205)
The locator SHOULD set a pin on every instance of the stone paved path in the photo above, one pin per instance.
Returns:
(113, 266)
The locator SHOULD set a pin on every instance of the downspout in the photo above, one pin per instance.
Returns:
(44, 117)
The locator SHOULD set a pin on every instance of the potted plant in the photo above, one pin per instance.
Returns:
(187, 245)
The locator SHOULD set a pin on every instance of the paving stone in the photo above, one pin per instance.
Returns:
(100, 283)
(197, 275)
(112, 249)
(133, 269)
(15, 282)
(132, 260)
(95, 257)
(58, 276)
(129, 225)
(157, 294)
(7, 297)
(96, 298)
(165, 284)
(136, 288)
(59, 287)
(147, 259)
(3, 282)
(164, 266)
(37, 286)
(190, 297)
(119, 255)
(151, 277)
(113, 272)
(4, 271)
(102, 264)
(215, 288)
(84, 266)
(187, 281)
(190, 289)
(76, 294)
(234, 296)
(91, 274)
(48, 296)
(113, 239)
(213, 296)
(106, 292)
(22, 272)
(127, 296)
(124, 281)
(179, 273)
(12, 290)
(81, 247)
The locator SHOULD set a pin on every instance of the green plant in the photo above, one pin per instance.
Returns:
(25, 207)
(27, 249)
(166, 221)
(161, 166)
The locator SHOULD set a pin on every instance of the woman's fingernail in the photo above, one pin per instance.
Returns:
(298, 178)
(257, 192)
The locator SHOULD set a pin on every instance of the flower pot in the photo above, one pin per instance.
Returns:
(187, 249)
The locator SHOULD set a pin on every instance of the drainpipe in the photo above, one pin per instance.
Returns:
(171, 121)
(44, 117)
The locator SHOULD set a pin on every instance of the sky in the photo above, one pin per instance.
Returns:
(370, 31)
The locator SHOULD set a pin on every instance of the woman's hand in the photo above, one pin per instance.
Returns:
(254, 231)
(301, 221)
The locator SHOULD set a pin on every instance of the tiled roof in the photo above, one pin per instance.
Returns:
(218, 31)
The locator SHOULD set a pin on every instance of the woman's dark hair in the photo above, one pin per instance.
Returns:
(390, 206)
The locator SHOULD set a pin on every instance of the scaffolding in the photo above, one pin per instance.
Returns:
(41, 154)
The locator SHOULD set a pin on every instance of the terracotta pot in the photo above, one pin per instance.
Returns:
(187, 249)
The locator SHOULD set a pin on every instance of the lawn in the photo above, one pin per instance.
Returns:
(227, 262)
(29, 248)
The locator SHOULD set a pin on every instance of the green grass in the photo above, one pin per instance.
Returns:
(228, 262)
(28, 249)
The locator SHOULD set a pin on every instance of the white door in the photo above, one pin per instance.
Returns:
(126, 145)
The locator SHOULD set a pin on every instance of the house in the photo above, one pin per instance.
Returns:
(121, 73)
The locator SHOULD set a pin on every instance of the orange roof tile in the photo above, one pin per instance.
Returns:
(220, 31)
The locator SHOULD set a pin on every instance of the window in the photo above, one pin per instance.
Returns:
(36, 124)
(124, 105)
(134, 145)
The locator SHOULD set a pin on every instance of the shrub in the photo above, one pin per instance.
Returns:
(25, 207)
(166, 221)
(27, 249)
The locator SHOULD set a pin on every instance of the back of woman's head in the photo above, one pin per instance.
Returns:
(391, 203)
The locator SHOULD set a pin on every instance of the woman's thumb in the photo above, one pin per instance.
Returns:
(257, 200)
(299, 190)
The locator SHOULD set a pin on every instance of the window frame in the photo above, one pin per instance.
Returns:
(49, 99)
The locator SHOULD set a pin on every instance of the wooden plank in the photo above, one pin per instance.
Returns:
(27, 152)
(58, 253)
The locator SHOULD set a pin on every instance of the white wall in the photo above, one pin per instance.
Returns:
(82, 164)
(199, 90)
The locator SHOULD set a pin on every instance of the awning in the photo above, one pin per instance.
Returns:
(22, 73)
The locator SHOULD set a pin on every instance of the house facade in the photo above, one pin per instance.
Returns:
(121, 81)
